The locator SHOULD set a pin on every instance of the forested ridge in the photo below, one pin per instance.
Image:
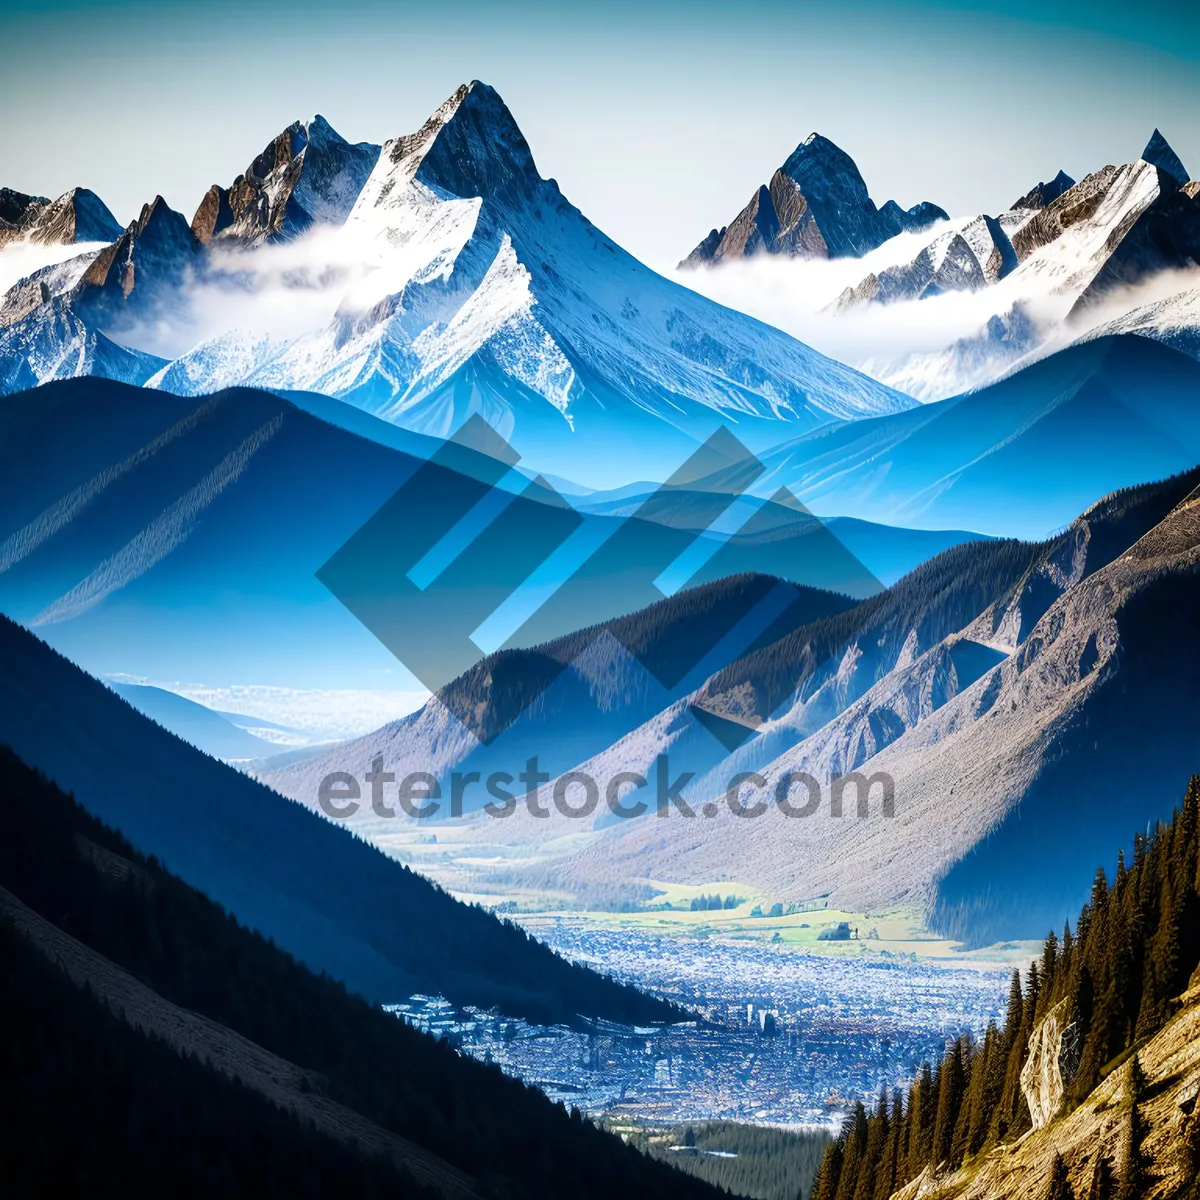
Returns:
(335, 901)
(1134, 948)
(759, 1161)
(85, 879)
(95, 1105)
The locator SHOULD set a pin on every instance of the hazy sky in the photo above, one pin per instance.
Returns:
(657, 119)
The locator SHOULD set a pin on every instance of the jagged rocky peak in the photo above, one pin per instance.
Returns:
(308, 174)
(1158, 153)
(816, 206)
(15, 207)
(76, 216)
(1046, 193)
(470, 146)
(154, 253)
(965, 260)
(896, 220)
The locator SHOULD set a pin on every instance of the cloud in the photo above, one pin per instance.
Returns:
(278, 290)
(19, 260)
(935, 347)
(282, 290)
(325, 715)
(794, 295)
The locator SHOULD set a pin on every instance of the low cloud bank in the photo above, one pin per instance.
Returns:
(935, 347)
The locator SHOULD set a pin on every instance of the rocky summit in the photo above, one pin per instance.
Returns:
(816, 206)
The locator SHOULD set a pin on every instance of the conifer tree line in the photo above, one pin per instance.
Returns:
(99, 1107)
(1134, 947)
(714, 903)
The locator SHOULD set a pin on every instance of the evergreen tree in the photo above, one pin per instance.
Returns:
(922, 1114)
(825, 1186)
(1060, 1185)
(1102, 1186)
(987, 1082)
(1135, 1176)
(1134, 948)
(878, 1136)
(951, 1088)
(852, 1159)
(887, 1178)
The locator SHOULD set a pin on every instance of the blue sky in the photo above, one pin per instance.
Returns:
(658, 119)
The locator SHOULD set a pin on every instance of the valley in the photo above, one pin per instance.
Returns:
(486, 714)
(781, 1036)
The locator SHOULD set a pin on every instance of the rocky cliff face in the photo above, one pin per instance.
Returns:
(816, 206)
(1078, 240)
(1098, 1130)
(959, 260)
(1049, 1067)
(76, 216)
(307, 174)
(996, 738)
(146, 265)
(482, 289)
(1045, 193)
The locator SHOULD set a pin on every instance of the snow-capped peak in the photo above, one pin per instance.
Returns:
(453, 278)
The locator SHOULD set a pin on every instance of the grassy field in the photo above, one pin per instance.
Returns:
(668, 911)
(891, 933)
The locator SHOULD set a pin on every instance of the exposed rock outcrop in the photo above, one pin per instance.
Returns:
(816, 206)
(146, 265)
(963, 260)
(1045, 193)
(76, 216)
(308, 174)
(1049, 1065)
(1097, 1131)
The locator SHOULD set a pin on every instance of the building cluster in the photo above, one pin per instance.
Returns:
(780, 1035)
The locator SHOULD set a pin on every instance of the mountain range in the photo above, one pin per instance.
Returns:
(190, 528)
(459, 281)
(1081, 240)
(1066, 261)
(997, 685)
(178, 538)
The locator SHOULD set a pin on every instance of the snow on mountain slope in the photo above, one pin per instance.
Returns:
(79, 317)
(959, 306)
(967, 258)
(1076, 258)
(39, 277)
(432, 278)
(53, 342)
(213, 366)
(47, 245)
(1173, 320)
(485, 290)
(1057, 248)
